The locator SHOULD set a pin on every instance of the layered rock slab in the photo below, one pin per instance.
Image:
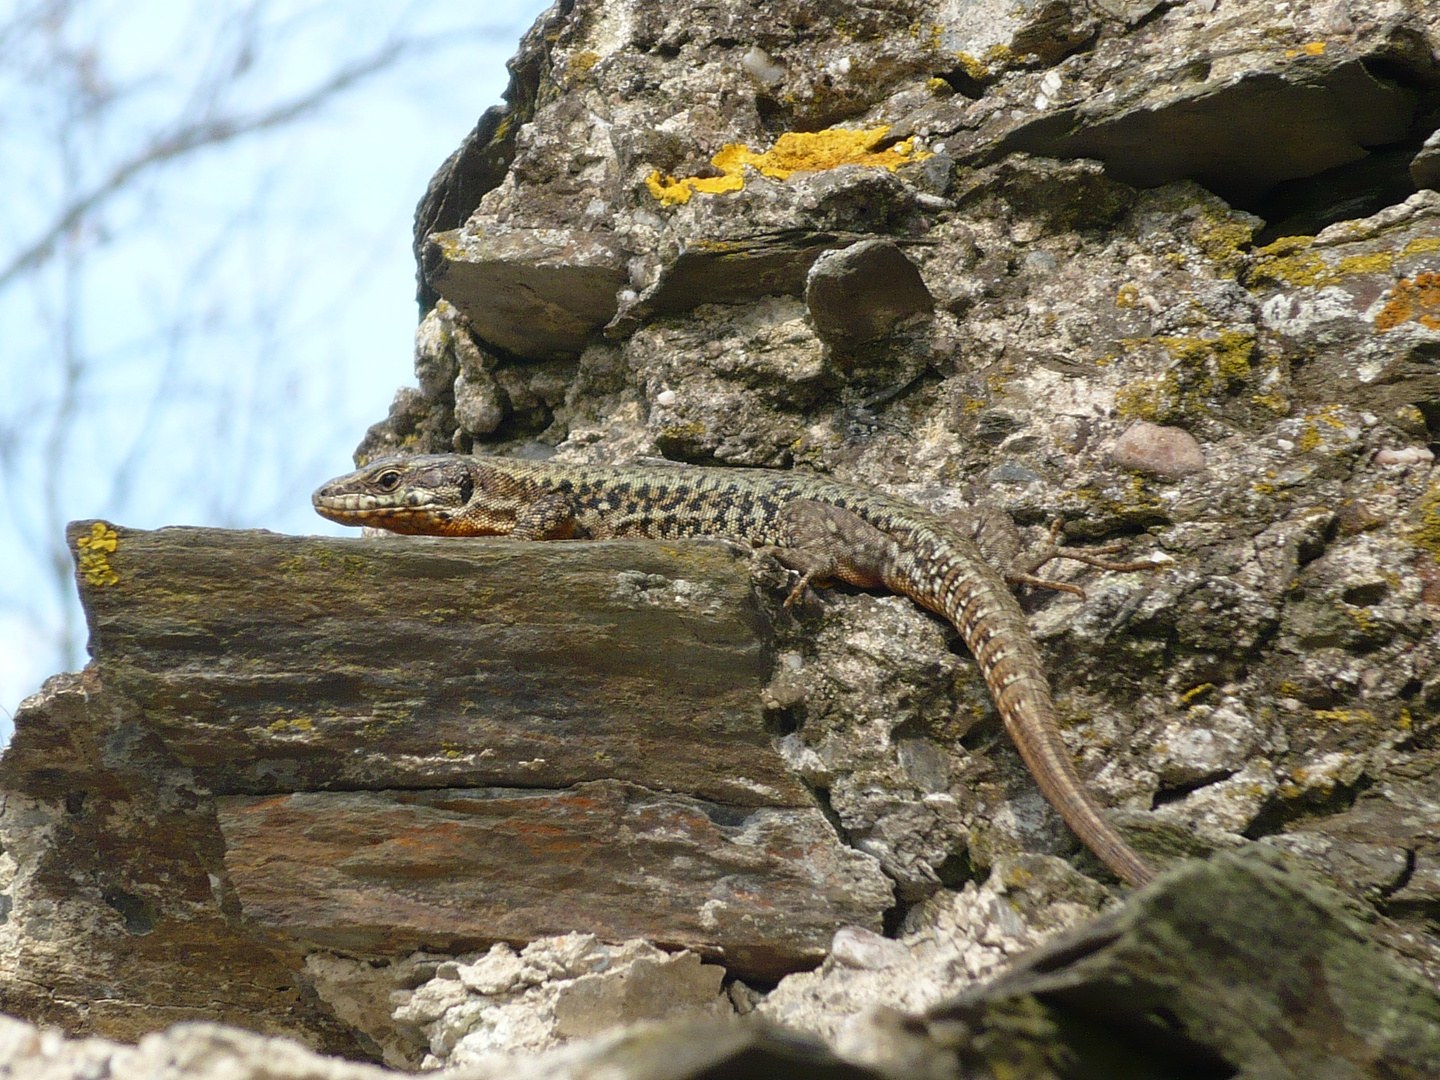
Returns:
(293, 743)
(274, 664)
(383, 872)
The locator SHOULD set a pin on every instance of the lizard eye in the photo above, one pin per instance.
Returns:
(388, 480)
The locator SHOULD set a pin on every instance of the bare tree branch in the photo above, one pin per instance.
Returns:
(209, 131)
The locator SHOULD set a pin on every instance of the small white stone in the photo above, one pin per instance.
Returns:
(666, 398)
(1406, 455)
(759, 66)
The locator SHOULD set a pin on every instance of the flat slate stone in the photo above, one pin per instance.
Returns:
(384, 872)
(537, 293)
(283, 663)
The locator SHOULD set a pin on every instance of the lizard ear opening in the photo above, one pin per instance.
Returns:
(467, 488)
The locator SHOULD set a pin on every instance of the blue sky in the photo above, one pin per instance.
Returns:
(239, 316)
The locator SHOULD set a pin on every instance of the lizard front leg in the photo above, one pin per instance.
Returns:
(550, 517)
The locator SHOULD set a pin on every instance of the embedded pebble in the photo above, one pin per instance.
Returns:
(1159, 451)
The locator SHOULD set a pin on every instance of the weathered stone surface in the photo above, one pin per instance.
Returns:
(510, 1003)
(191, 1051)
(645, 1051)
(380, 873)
(1243, 966)
(536, 293)
(270, 664)
(860, 293)
(1354, 310)
(118, 916)
(1425, 166)
(1277, 678)
(718, 271)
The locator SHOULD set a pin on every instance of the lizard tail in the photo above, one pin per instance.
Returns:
(998, 635)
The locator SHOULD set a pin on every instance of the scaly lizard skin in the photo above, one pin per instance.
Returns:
(822, 528)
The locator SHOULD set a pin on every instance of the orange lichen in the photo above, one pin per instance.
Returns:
(1416, 298)
(795, 151)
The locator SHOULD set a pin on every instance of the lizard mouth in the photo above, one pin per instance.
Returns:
(362, 502)
(412, 512)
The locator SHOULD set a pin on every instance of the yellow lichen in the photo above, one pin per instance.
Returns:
(1197, 692)
(1222, 239)
(95, 551)
(1275, 401)
(1377, 262)
(1149, 399)
(974, 66)
(1310, 48)
(939, 87)
(580, 64)
(1127, 296)
(1427, 533)
(1421, 245)
(300, 724)
(684, 432)
(1288, 262)
(1345, 716)
(795, 151)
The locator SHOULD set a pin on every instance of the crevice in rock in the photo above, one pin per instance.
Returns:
(1170, 793)
(963, 83)
(1281, 812)
(1307, 204)
(1387, 891)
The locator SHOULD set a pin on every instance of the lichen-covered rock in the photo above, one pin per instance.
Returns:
(1149, 275)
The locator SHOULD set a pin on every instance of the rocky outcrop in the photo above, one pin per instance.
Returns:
(1244, 967)
(1169, 273)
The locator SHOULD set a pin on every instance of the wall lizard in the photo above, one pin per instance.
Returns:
(822, 528)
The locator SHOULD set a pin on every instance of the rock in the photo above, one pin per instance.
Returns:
(861, 293)
(1425, 166)
(481, 683)
(1160, 451)
(192, 1051)
(1316, 994)
(381, 872)
(1239, 106)
(536, 293)
(198, 801)
(679, 170)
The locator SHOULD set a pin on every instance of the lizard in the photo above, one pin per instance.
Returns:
(824, 529)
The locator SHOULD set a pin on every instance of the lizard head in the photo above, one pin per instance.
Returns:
(423, 494)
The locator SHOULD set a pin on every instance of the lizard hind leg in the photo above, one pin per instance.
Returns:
(995, 534)
(825, 543)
